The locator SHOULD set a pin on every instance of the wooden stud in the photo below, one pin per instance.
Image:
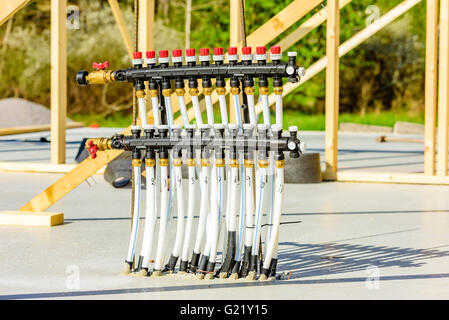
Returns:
(235, 40)
(37, 128)
(332, 88)
(443, 91)
(380, 177)
(118, 15)
(35, 219)
(58, 80)
(430, 95)
(9, 8)
(146, 25)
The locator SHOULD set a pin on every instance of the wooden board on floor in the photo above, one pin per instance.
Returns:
(27, 218)
(379, 177)
(34, 167)
(36, 128)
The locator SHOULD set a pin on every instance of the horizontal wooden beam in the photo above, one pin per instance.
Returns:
(35, 219)
(37, 128)
(9, 7)
(378, 177)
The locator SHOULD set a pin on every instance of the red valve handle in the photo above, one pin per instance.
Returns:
(100, 66)
(92, 149)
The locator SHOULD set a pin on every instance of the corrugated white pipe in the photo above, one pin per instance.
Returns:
(158, 265)
(136, 214)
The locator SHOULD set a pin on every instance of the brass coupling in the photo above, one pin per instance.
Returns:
(263, 90)
(249, 164)
(137, 162)
(278, 90)
(207, 91)
(249, 90)
(219, 163)
(279, 163)
(166, 92)
(101, 143)
(180, 92)
(140, 93)
(100, 77)
(190, 162)
(194, 91)
(205, 162)
(221, 91)
(235, 90)
(263, 163)
(234, 163)
(163, 162)
(150, 162)
(177, 162)
(153, 93)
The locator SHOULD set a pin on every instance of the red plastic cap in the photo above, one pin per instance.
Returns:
(100, 66)
(137, 55)
(151, 54)
(246, 50)
(163, 54)
(261, 50)
(276, 50)
(204, 51)
(177, 53)
(92, 149)
(218, 51)
(190, 52)
(232, 50)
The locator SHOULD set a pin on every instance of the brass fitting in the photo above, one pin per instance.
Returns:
(101, 143)
(140, 93)
(166, 92)
(205, 162)
(137, 162)
(190, 162)
(263, 163)
(235, 90)
(279, 163)
(153, 93)
(100, 77)
(249, 90)
(234, 163)
(180, 92)
(207, 91)
(263, 90)
(194, 91)
(219, 163)
(278, 90)
(163, 162)
(221, 91)
(150, 162)
(177, 162)
(249, 164)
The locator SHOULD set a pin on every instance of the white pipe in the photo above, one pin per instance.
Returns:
(136, 215)
(209, 110)
(182, 107)
(150, 217)
(155, 105)
(158, 265)
(142, 111)
(252, 110)
(197, 110)
(204, 208)
(249, 206)
(181, 213)
(190, 213)
(169, 111)
(279, 109)
(214, 216)
(223, 109)
(261, 191)
(266, 110)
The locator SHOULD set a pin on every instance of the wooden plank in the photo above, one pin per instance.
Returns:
(37, 128)
(118, 15)
(36, 167)
(380, 177)
(235, 40)
(9, 8)
(347, 46)
(35, 219)
(430, 95)
(443, 91)
(58, 80)
(304, 29)
(332, 87)
(146, 25)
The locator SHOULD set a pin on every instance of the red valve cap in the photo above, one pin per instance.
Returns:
(261, 50)
(204, 51)
(137, 55)
(218, 51)
(177, 53)
(100, 66)
(275, 50)
(190, 52)
(151, 54)
(246, 50)
(92, 149)
(232, 50)
(163, 54)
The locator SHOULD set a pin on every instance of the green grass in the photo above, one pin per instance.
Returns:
(291, 118)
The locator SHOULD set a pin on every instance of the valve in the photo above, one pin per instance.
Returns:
(92, 148)
(100, 66)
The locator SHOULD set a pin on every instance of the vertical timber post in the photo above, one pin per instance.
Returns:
(332, 88)
(431, 86)
(443, 90)
(58, 80)
(235, 35)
